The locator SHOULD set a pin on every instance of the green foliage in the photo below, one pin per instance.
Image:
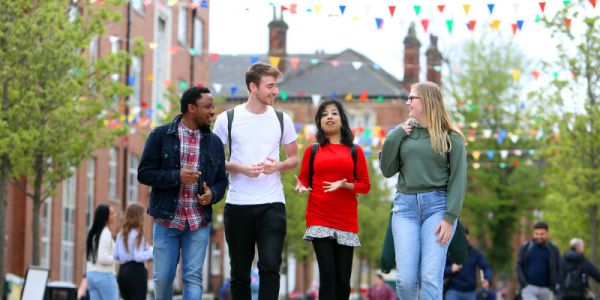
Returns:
(573, 151)
(500, 192)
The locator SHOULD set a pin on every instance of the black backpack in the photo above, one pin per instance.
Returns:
(311, 161)
(574, 281)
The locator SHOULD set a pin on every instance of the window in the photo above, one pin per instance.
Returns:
(198, 35)
(138, 6)
(132, 194)
(68, 229)
(182, 25)
(89, 198)
(115, 46)
(45, 225)
(112, 174)
(136, 74)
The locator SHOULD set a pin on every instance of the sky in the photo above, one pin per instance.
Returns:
(240, 26)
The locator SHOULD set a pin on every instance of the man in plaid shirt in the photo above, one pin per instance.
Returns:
(184, 164)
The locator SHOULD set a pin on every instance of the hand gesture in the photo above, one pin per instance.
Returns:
(329, 186)
(252, 170)
(444, 231)
(271, 166)
(206, 198)
(455, 268)
(188, 175)
(485, 284)
(300, 188)
(407, 128)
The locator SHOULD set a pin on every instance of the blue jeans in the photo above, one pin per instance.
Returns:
(102, 285)
(458, 295)
(420, 258)
(167, 245)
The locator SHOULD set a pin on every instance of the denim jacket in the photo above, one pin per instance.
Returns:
(160, 166)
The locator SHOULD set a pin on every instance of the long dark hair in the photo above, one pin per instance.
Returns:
(347, 136)
(100, 220)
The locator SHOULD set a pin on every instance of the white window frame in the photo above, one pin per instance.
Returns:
(115, 46)
(198, 35)
(182, 15)
(46, 238)
(67, 252)
(90, 191)
(136, 72)
(112, 174)
(132, 183)
(138, 6)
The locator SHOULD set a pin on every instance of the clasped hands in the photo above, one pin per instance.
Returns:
(271, 166)
(188, 175)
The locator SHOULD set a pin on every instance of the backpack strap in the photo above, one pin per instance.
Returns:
(280, 118)
(311, 162)
(229, 124)
(353, 154)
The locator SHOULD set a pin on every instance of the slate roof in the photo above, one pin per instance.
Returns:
(310, 77)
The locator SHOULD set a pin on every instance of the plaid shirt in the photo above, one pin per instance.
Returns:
(188, 208)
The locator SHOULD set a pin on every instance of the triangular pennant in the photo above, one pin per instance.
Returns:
(495, 24)
(294, 61)
(467, 8)
(217, 87)
(516, 74)
(147, 2)
(491, 7)
(131, 80)
(318, 8)
(193, 52)
(274, 60)
(342, 9)
(542, 6)
(449, 25)
(233, 90)
(314, 61)
(471, 25)
(516, 6)
(515, 27)
(152, 45)
(315, 99)
(334, 62)
(504, 154)
(356, 65)
(425, 24)
(567, 2)
(441, 8)
(174, 50)
(204, 4)
(379, 22)
(348, 97)
(535, 74)
(392, 10)
(568, 22)
(537, 18)
(364, 97)
(213, 57)
(150, 77)
(520, 24)
(254, 59)
(283, 8)
(417, 9)
(283, 95)
(593, 3)
(293, 8)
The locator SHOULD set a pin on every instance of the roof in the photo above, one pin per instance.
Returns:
(325, 75)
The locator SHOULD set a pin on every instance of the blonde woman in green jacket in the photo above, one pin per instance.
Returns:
(428, 154)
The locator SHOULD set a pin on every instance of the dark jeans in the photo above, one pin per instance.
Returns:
(335, 268)
(262, 225)
(133, 281)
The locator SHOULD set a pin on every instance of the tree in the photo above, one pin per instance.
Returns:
(55, 109)
(573, 152)
(500, 191)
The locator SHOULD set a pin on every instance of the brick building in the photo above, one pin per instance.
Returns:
(176, 42)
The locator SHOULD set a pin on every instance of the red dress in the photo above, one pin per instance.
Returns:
(337, 209)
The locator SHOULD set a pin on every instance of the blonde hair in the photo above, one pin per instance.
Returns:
(439, 124)
(134, 219)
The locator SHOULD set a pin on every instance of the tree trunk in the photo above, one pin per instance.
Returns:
(37, 203)
(4, 175)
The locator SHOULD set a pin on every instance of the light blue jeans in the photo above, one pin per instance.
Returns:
(167, 246)
(102, 285)
(420, 258)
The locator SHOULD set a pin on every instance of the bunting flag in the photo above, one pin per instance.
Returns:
(314, 61)
(294, 61)
(516, 74)
(293, 8)
(283, 95)
(274, 60)
(566, 2)
(441, 8)
(204, 4)
(537, 18)
(520, 24)
(152, 45)
(253, 59)
(417, 9)
(174, 50)
(516, 6)
(342, 9)
(356, 65)
(593, 3)
(471, 25)
(364, 96)
(233, 90)
(542, 6)
(217, 87)
(495, 24)
(348, 97)
(491, 8)
(334, 62)
(379, 22)
(568, 22)
(467, 8)
(392, 9)
(449, 25)
(425, 24)
(317, 8)
(213, 57)
(535, 74)
(515, 27)
(316, 99)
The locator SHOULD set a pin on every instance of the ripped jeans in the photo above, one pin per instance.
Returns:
(420, 258)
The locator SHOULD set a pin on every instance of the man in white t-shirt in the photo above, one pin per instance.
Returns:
(255, 207)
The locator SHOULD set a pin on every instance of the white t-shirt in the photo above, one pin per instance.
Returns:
(254, 137)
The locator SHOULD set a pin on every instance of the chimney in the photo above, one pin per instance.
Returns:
(411, 58)
(434, 61)
(277, 40)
